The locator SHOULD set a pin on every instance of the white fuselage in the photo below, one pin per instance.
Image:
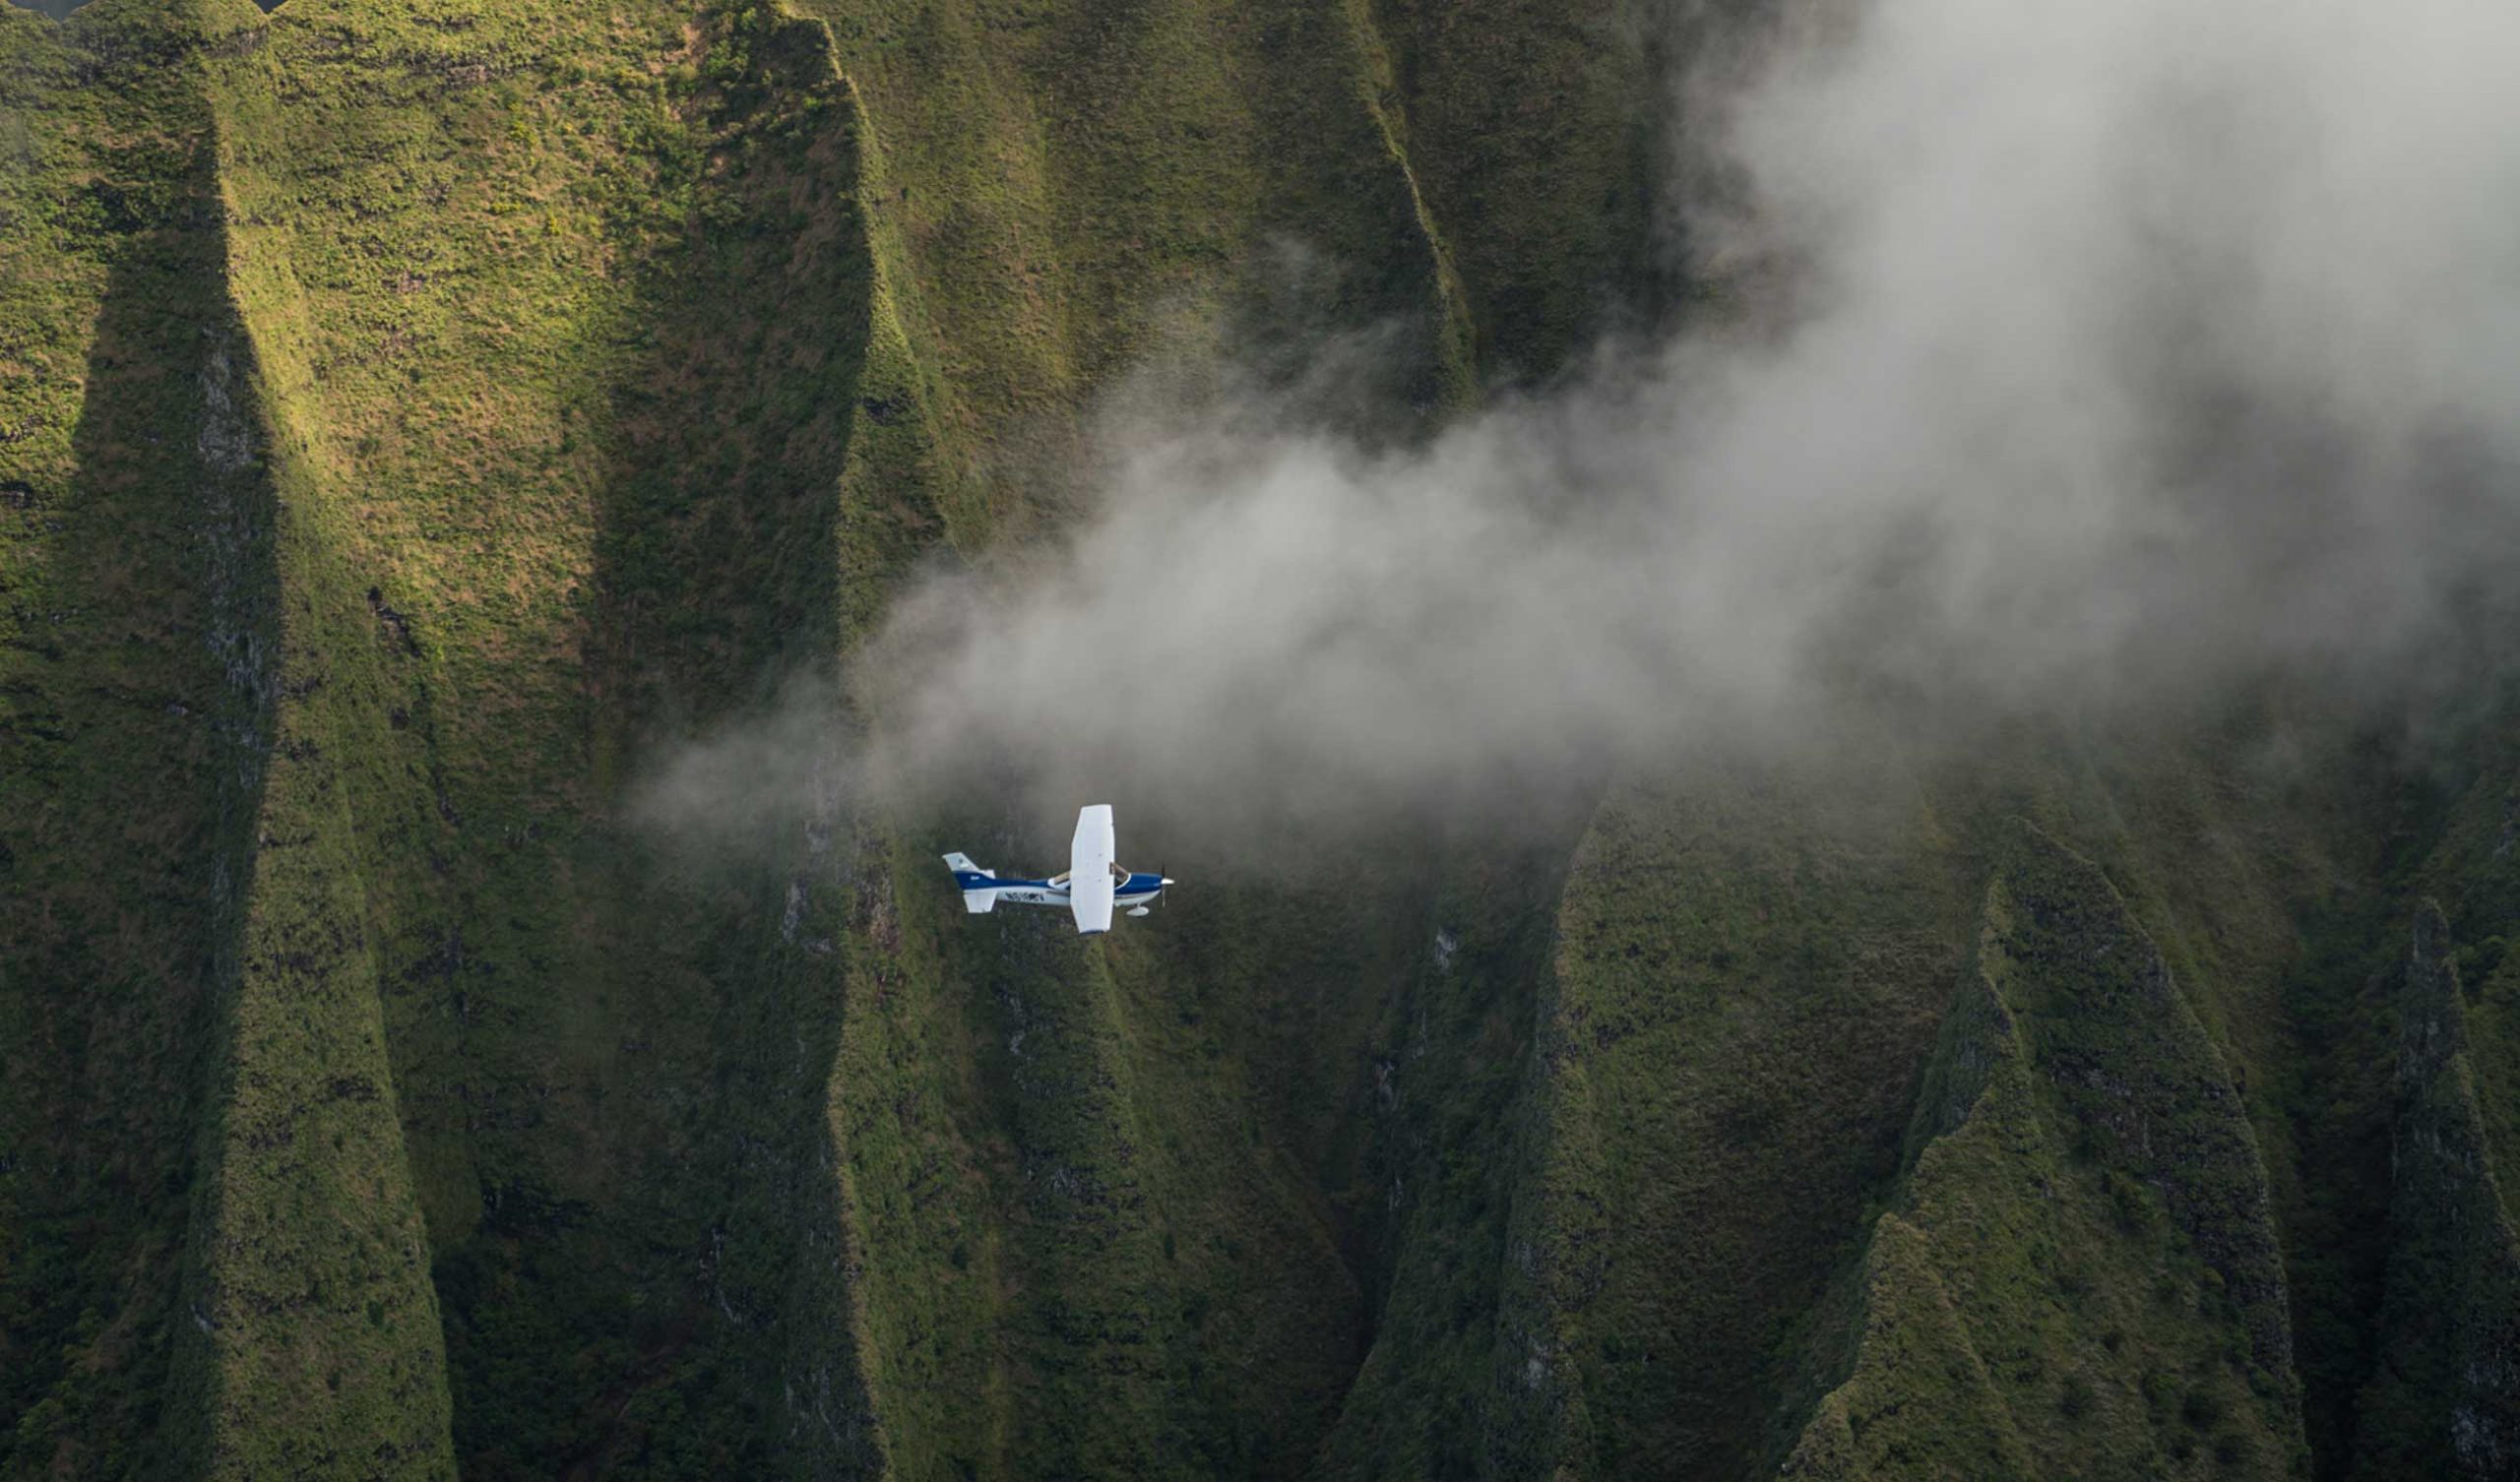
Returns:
(1136, 890)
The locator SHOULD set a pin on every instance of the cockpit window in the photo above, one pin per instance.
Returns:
(1119, 873)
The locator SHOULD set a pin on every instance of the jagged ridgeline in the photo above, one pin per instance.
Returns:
(413, 415)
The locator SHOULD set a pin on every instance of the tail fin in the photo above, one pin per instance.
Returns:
(979, 897)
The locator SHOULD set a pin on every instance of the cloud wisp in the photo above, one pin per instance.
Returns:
(2132, 348)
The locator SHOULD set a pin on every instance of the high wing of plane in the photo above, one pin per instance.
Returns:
(1093, 887)
(1091, 890)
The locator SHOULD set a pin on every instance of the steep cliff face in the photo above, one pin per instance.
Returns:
(2445, 1397)
(2082, 1275)
(1749, 966)
(416, 417)
(140, 624)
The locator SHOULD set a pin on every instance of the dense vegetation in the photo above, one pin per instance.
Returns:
(415, 413)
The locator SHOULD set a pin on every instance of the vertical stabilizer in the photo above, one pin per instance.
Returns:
(979, 897)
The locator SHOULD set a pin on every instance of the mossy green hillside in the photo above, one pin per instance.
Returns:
(584, 497)
(1539, 160)
(1144, 1161)
(1068, 192)
(2078, 1276)
(1750, 968)
(137, 613)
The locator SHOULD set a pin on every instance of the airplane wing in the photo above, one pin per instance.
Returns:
(1090, 880)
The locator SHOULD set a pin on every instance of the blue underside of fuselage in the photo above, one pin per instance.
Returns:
(1137, 887)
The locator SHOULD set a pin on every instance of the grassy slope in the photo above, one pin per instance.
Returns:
(1070, 191)
(136, 682)
(1532, 128)
(580, 399)
(2080, 1278)
(1773, 939)
(1749, 970)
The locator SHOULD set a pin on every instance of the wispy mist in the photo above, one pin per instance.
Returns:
(2096, 353)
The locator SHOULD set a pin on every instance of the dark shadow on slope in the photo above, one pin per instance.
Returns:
(1434, 1170)
(1354, 316)
(2442, 818)
(654, 1328)
(1538, 162)
(1197, 1220)
(134, 719)
(2443, 1401)
(2336, 1093)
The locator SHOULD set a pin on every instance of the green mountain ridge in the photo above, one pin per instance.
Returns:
(417, 414)
(2085, 1235)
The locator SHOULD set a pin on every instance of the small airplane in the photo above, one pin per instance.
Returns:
(1092, 886)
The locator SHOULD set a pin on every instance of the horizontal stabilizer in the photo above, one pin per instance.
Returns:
(978, 897)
